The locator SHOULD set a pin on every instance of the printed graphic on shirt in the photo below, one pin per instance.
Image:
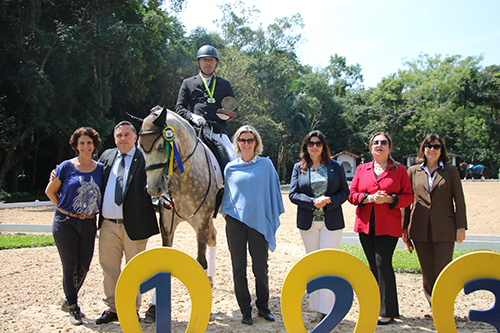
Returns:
(88, 200)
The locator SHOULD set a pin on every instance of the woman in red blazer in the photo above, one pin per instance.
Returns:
(437, 217)
(379, 188)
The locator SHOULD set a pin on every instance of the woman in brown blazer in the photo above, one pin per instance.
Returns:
(437, 217)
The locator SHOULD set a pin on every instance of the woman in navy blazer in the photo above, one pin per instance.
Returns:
(319, 187)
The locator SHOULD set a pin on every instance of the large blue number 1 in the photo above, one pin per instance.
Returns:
(161, 281)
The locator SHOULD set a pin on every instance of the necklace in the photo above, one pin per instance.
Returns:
(379, 168)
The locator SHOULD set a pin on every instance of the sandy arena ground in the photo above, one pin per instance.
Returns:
(31, 290)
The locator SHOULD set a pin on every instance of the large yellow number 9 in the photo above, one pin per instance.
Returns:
(330, 263)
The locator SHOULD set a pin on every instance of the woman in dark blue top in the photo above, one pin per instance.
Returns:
(319, 187)
(76, 191)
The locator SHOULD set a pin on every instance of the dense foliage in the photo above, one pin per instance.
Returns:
(69, 63)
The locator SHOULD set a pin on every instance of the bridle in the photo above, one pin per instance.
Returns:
(147, 151)
(160, 132)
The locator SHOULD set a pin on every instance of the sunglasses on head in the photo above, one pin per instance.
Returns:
(381, 142)
(436, 146)
(318, 144)
(249, 141)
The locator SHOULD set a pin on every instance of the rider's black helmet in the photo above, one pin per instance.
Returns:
(207, 51)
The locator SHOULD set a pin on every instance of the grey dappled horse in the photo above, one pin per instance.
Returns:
(193, 191)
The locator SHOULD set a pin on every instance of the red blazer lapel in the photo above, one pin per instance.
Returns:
(371, 172)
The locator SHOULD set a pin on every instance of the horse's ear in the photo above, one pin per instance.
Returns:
(161, 119)
(136, 121)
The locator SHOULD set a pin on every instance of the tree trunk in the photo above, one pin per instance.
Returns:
(282, 158)
(6, 163)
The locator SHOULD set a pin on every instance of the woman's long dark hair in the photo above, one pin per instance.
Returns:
(428, 139)
(306, 162)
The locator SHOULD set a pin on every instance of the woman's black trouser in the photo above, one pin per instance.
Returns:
(75, 239)
(238, 236)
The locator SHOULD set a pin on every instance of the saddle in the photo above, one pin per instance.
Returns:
(217, 149)
(222, 157)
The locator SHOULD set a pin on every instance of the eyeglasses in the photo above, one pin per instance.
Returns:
(381, 142)
(318, 144)
(249, 141)
(436, 146)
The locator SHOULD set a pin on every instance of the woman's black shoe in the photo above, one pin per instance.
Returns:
(247, 318)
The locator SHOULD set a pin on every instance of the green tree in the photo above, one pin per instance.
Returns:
(71, 64)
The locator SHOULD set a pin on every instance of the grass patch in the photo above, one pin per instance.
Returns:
(402, 261)
(17, 241)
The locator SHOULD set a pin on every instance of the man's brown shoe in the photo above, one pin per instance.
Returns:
(107, 317)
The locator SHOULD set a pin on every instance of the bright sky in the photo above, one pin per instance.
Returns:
(379, 35)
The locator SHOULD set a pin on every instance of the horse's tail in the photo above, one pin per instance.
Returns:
(485, 173)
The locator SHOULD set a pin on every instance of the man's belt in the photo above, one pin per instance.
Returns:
(117, 221)
(78, 216)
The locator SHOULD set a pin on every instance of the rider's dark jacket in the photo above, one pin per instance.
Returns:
(193, 98)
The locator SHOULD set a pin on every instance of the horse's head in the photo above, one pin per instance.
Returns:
(152, 145)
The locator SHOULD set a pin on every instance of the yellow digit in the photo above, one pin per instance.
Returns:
(336, 263)
(469, 267)
(181, 266)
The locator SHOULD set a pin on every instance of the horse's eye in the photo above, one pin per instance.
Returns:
(160, 146)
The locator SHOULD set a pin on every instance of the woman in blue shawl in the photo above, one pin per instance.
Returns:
(251, 205)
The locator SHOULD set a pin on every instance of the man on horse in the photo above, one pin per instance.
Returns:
(203, 95)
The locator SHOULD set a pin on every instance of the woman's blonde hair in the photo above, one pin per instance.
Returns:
(248, 129)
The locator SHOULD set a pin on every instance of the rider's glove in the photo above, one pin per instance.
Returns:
(223, 116)
(198, 120)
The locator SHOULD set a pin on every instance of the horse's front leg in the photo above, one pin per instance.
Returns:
(202, 238)
(167, 228)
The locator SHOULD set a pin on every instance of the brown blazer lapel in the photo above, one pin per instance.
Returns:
(422, 178)
(438, 178)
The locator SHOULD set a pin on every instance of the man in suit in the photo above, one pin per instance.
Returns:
(127, 216)
(203, 95)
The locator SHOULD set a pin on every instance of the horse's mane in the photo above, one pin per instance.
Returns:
(171, 114)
